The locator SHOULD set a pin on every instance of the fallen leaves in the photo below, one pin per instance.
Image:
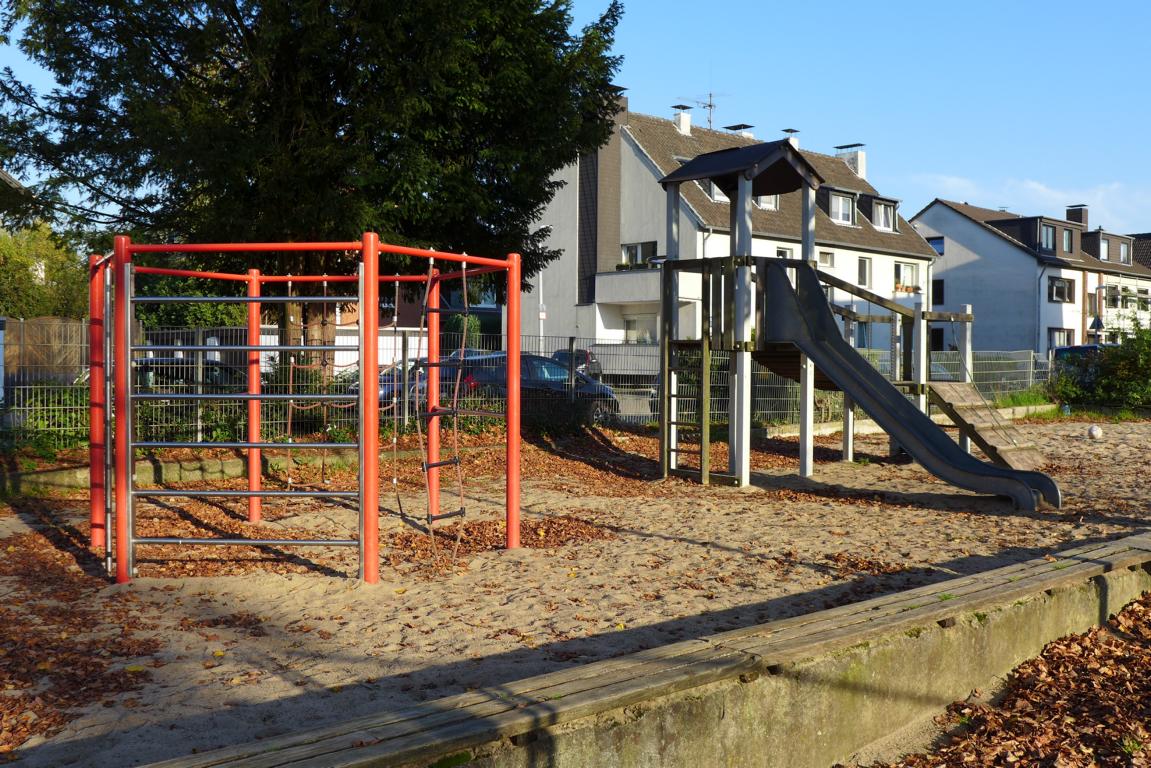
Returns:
(1085, 701)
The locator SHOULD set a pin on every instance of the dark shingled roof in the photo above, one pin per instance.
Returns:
(1083, 260)
(776, 168)
(667, 148)
(1142, 248)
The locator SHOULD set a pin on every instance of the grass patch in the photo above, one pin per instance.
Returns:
(1034, 396)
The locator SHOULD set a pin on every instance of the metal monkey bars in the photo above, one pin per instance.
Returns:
(112, 485)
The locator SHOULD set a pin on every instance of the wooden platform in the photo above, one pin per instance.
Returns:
(996, 436)
(783, 360)
(516, 713)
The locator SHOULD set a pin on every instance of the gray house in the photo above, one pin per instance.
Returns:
(1034, 282)
(609, 219)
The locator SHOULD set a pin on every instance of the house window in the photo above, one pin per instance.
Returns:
(1060, 337)
(1092, 304)
(906, 277)
(842, 209)
(1067, 241)
(1124, 254)
(1111, 297)
(1104, 247)
(712, 191)
(1144, 299)
(864, 277)
(637, 254)
(1047, 237)
(883, 216)
(783, 253)
(937, 292)
(936, 243)
(1060, 290)
(767, 202)
(936, 339)
(863, 335)
(826, 259)
(630, 331)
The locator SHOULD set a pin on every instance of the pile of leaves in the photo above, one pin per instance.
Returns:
(848, 564)
(63, 644)
(448, 547)
(1085, 701)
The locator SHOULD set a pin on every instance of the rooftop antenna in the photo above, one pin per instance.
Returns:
(709, 105)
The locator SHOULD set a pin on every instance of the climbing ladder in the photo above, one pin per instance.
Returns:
(977, 419)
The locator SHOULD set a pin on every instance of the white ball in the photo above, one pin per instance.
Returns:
(1095, 432)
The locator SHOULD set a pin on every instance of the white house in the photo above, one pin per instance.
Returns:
(1034, 282)
(609, 219)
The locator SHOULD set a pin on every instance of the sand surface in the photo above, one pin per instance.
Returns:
(302, 644)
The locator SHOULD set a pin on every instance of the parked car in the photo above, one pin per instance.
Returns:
(544, 391)
(585, 361)
(152, 373)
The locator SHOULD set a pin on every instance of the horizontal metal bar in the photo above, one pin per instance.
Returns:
(240, 247)
(445, 515)
(445, 463)
(245, 494)
(243, 299)
(175, 444)
(241, 396)
(252, 542)
(463, 311)
(461, 412)
(241, 348)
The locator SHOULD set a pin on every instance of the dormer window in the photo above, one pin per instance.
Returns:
(713, 191)
(1047, 237)
(1104, 248)
(883, 216)
(1124, 253)
(767, 202)
(842, 209)
(1067, 242)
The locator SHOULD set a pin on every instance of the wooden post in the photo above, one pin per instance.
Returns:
(806, 367)
(966, 366)
(848, 404)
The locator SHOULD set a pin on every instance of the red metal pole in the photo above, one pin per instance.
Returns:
(513, 414)
(97, 448)
(370, 409)
(433, 393)
(121, 360)
(255, 471)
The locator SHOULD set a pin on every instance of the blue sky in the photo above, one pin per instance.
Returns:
(1027, 105)
(1023, 104)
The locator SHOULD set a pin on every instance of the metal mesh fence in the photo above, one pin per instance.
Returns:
(45, 392)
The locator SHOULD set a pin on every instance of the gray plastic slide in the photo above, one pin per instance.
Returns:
(802, 317)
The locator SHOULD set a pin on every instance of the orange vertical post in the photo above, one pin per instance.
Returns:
(121, 360)
(370, 410)
(512, 492)
(255, 455)
(433, 395)
(97, 448)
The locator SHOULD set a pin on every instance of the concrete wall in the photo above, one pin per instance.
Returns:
(999, 280)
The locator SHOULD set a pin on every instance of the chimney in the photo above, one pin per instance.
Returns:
(855, 157)
(1078, 214)
(742, 129)
(682, 118)
(792, 139)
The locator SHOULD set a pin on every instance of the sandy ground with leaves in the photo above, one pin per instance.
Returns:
(209, 648)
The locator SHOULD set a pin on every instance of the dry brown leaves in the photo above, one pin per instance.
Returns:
(62, 645)
(848, 564)
(415, 551)
(1085, 701)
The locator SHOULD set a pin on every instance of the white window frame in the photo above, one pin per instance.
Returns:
(783, 253)
(1068, 240)
(767, 202)
(826, 259)
(877, 221)
(845, 205)
(903, 271)
(1104, 249)
(1056, 335)
(863, 275)
(1047, 237)
(1124, 253)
